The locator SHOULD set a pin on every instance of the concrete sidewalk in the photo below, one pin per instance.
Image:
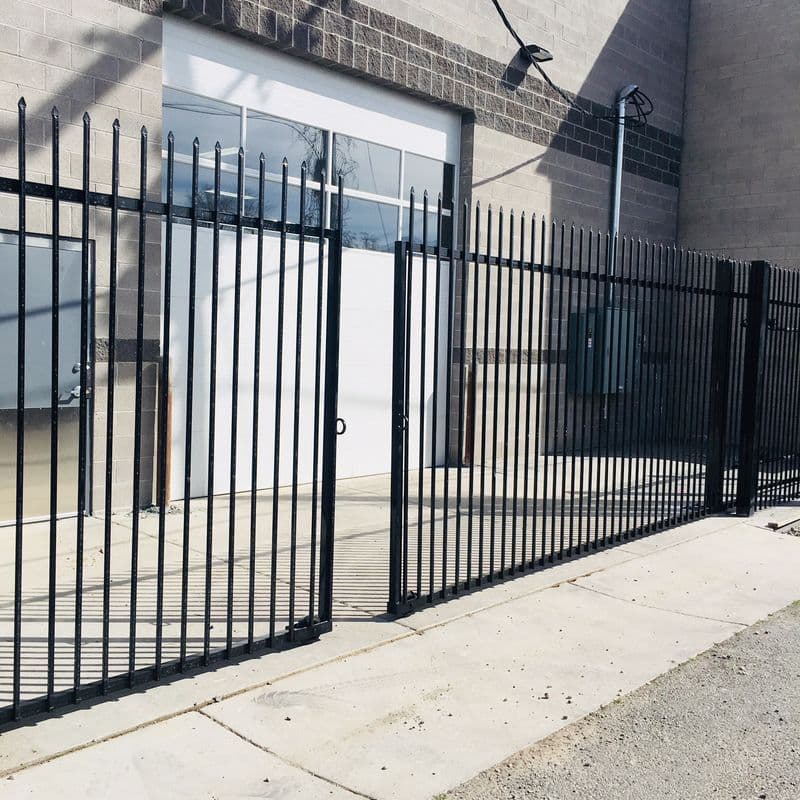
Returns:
(411, 708)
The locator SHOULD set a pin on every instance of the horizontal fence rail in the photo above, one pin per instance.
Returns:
(206, 391)
(590, 391)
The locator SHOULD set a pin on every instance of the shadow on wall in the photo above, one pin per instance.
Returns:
(566, 171)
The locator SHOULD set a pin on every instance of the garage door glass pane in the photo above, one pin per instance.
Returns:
(280, 138)
(432, 223)
(189, 115)
(366, 166)
(182, 188)
(427, 173)
(367, 225)
(272, 202)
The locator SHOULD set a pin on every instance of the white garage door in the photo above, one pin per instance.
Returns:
(218, 87)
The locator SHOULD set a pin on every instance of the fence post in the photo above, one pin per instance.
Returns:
(719, 389)
(399, 428)
(752, 386)
(330, 423)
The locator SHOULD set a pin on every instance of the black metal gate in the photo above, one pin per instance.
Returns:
(555, 392)
(105, 600)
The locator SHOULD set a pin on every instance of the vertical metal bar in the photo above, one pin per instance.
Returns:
(518, 402)
(212, 402)
(187, 449)
(448, 398)
(54, 392)
(609, 318)
(473, 388)
(652, 428)
(462, 328)
(484, 391)
(581, 444)
(507, 392)
(792, 450)
(329, 425)
(111, 386)
(434, 412)
(409, 300)
(569, 430)
(618, 388)
(137, 417)
(20, 455)
(298, 367)
(276, 464)
(631, 390)
(704, 338)
(323, 207)
(163, 402)
(528, 393)
(237, 314)
(539, 439)
(399, 426)
(677, 305)
(496, 397)
(592, 525)
(422, 398)
(687, 317)
(664, 387)
(251, 584)
(775, 392)
(770, 451)
(556, 429)
(644, 431)
(789, 379)
(602, 424)
(83, 421)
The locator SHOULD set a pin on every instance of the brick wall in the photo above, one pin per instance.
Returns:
(742, 162)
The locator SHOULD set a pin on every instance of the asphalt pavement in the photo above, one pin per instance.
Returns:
(724, 725)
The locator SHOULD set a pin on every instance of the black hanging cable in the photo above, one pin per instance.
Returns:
(641, 103)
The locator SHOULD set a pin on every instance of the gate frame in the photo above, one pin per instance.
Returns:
(750, 385)
(304, 629)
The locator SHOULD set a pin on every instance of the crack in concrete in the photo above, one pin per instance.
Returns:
(657, 608)
(290, 762)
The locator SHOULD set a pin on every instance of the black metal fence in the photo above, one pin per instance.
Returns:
(554, 392)
(598, 390)
(110, 601)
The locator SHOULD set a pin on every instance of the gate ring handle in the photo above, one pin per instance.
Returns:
(403, 423)
(341, 426)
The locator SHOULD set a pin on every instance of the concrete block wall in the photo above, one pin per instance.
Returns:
(741, 172)
(598, 48)
(103, 58)
(522, 145)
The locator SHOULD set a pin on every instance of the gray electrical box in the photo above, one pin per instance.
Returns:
(601, 351)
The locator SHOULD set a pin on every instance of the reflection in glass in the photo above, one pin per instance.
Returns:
(189, 116)
(272, 202)
(36, 497)
(366, 166)
(182, 188)
(367, 225)
(281, 138)
(423, 173)
(432, 222)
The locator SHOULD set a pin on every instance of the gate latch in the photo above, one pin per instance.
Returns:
(341, 426)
